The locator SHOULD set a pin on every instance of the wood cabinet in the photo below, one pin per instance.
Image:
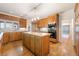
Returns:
(8, 17)
(44, 22)
(6, 37)
(26, 41)
(39, 45)
(15, 36)
(45, 43)
(22, 23)
(11, 36)
(32, 43)
(0, 48)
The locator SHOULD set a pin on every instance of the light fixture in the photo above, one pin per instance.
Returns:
(35, 19)
(32, 19)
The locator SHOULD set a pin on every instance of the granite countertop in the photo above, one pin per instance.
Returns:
(37, 33)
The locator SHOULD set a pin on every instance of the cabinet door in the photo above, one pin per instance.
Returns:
(16, 36)
(22, 23)
(0, 49)
(25, 42)
(32, 44)
(28, 41)
(38, 45)
(6, 37)
(45, 45)
(41, 46)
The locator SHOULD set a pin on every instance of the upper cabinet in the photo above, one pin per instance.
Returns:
(23, 23)
(8, 17)
(44, 22)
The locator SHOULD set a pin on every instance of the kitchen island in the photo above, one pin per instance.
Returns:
(36, 42)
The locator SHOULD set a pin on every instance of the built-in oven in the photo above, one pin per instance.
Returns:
(52, 30)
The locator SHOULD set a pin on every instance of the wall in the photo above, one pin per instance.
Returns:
(77, 28)
(67, 17)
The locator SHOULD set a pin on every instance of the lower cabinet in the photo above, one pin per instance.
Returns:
(41, 45)
(0, 48)
(36, 44)
(15, 36)
(11, 36)
(32, 44)
(6, 37)
(45, 45)
(26, 41)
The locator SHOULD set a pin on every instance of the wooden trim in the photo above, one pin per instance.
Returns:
(57, 25)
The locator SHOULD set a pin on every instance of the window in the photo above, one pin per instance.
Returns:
(9, 25)
(77, 28)
(65, 31)
(2, 25)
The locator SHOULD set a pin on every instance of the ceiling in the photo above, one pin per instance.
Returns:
(31, 10)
